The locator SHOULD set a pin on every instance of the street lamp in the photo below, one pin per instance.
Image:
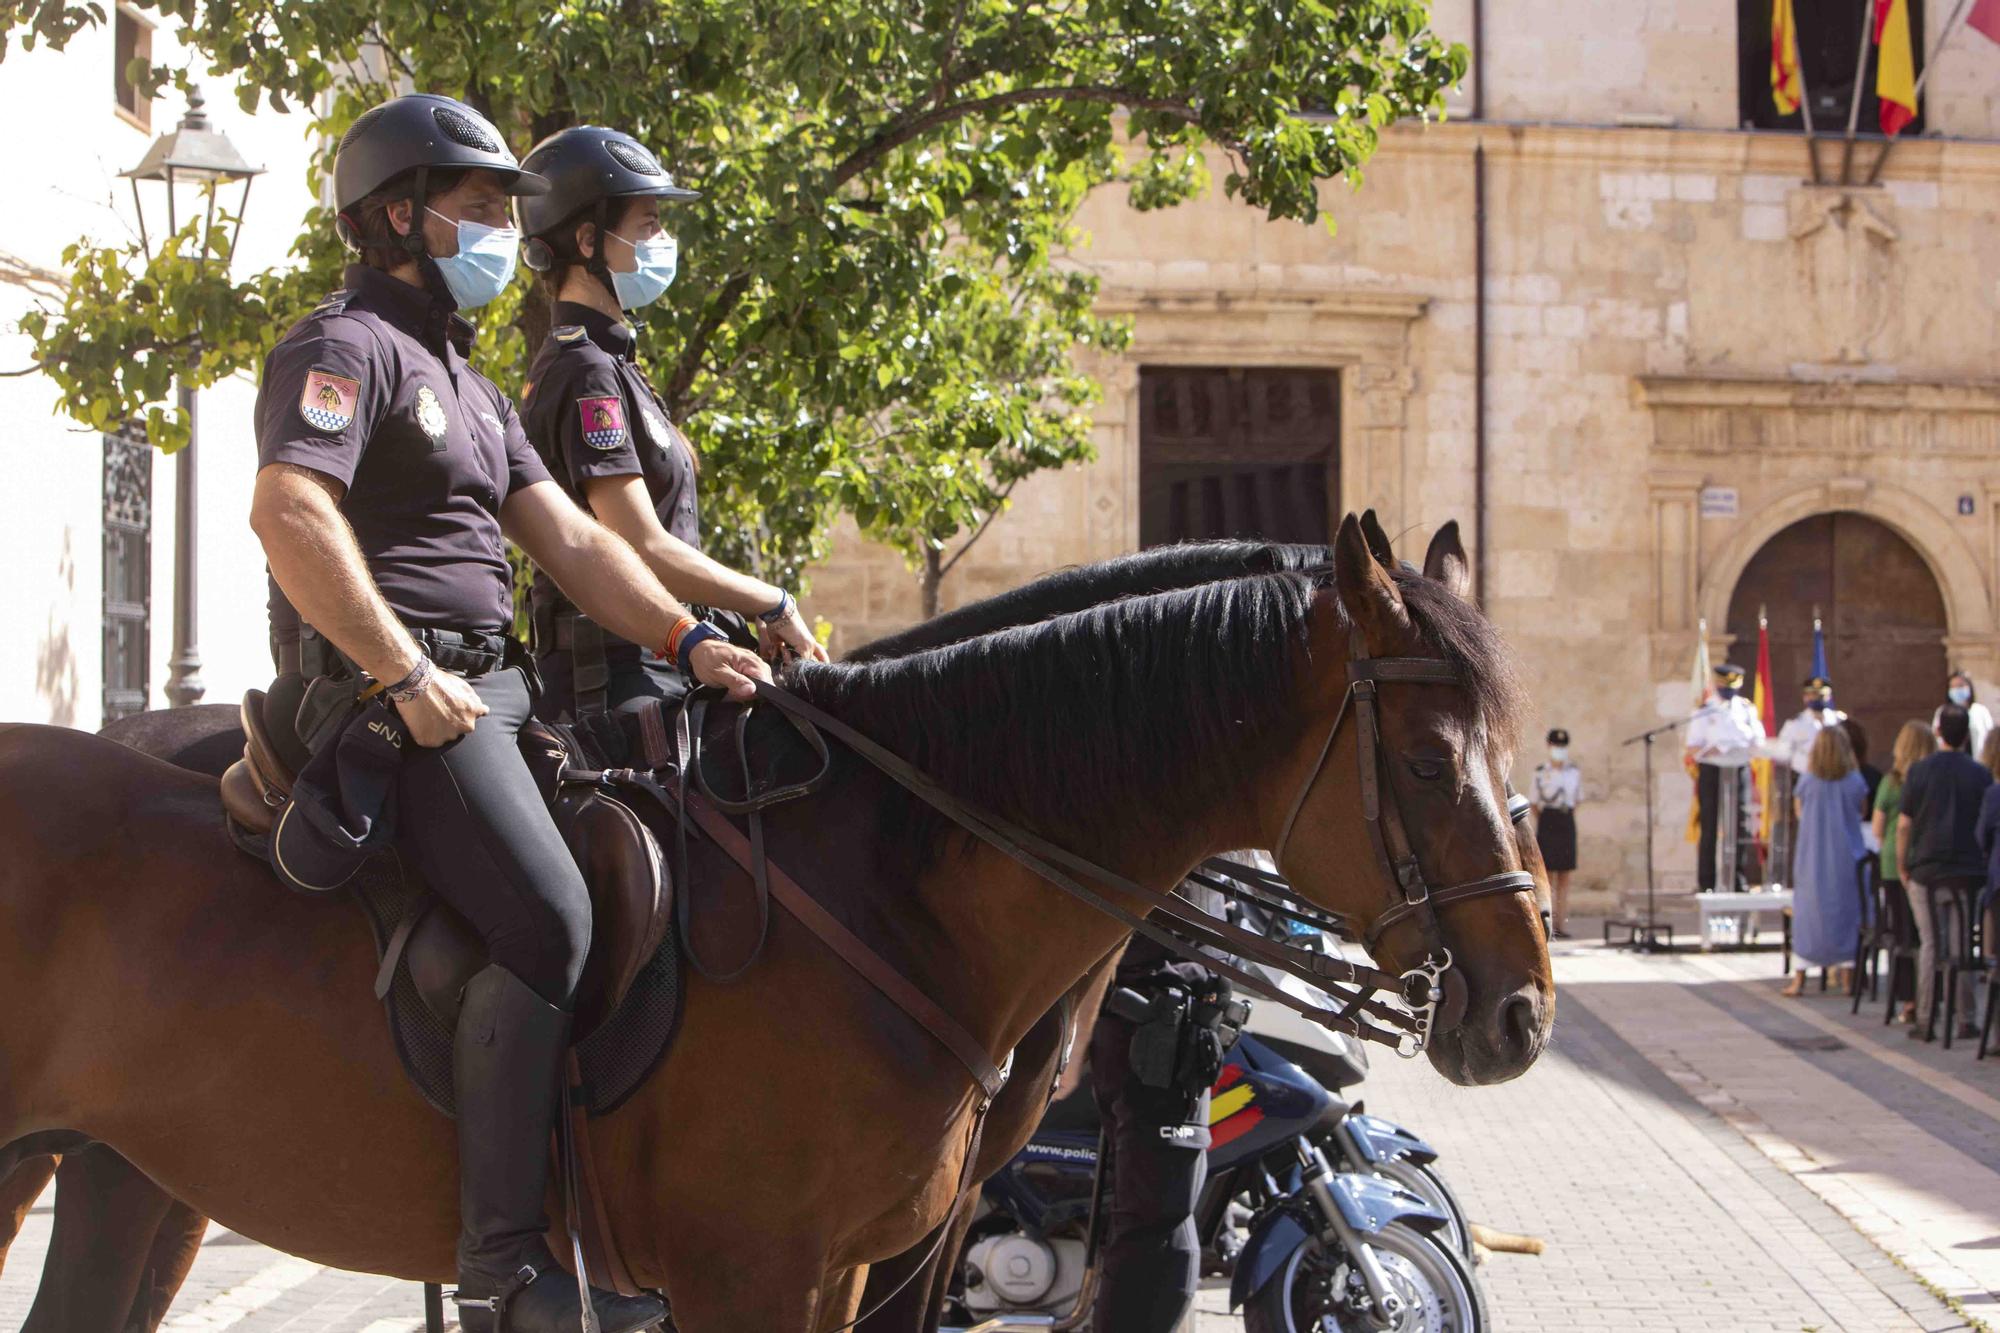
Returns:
(191, 154)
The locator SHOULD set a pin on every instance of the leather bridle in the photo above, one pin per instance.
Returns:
(1388, 830)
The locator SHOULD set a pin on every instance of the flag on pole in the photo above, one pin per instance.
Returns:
(1985, 17)
(1764, 698)
(1699, 684)
(1785, 57)
(1895, 66)
(1819, 650)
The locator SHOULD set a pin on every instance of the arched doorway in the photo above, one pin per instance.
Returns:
(1881, 608)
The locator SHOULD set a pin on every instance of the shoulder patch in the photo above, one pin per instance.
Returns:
(568, 333)
(327, 400)
(603, 421)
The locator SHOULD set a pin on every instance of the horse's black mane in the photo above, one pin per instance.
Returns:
(1142, 703)
(1161, 569)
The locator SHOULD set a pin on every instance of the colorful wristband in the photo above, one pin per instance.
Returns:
(412, 685)
(671, 649)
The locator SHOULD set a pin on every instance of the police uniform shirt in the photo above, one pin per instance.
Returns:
(373, 389)
(1730, 727)
(1796, 737)
(590, 412)
(1558, 788)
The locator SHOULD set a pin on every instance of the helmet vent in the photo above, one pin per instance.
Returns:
(464, 130)
(361, 124)
(633, 158)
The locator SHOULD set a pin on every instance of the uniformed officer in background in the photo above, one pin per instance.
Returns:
(1724, 733)
(597, 239)
(1796, 737)
(389, 471)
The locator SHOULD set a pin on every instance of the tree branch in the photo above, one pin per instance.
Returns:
(880, 145)
(979, 531)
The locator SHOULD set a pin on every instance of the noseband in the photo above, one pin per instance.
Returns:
(1388, 830)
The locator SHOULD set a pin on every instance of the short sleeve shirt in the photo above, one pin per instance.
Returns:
(374, 390)
(1942, 796)
(590, 412)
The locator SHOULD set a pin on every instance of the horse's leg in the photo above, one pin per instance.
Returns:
(176, 1245)
(19, 1189)
(742, 1279)
(920, 1303)
(99, 1274)
(840, 1297)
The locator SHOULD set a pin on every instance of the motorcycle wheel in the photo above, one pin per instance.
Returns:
(1428, 1185)
(1310, 1293)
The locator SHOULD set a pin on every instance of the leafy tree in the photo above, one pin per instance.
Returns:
(876, 311)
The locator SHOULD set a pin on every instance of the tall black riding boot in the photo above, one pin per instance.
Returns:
(505, 1062)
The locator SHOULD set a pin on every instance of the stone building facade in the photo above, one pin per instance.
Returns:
(1691, 349)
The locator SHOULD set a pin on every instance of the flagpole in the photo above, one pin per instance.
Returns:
(1805, 99)
(1917, 93)
(1854, 101)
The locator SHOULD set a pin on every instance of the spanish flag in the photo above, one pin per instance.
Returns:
(1764, 699)
(1895, 65)
(1784, 58)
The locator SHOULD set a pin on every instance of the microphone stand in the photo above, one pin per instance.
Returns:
(1645, 936)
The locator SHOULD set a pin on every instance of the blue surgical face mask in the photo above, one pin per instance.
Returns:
(1559, 753)
(1960, 694)
(484, 264)
(658, 259)
(1820, 705)
(1726, 691)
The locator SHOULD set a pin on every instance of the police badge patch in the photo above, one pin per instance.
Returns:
(430, 416)
(327, 400)
(603, 421)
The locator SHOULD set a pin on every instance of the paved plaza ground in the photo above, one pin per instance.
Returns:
(1698, 1152)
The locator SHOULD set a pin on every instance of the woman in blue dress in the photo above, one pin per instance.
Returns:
(1826, 904)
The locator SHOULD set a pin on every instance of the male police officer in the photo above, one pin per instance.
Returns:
(389, 471)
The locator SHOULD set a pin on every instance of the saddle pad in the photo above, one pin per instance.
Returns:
(613, 1061)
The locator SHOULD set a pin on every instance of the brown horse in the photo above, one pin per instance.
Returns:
(105, 1272)
(220, 1034)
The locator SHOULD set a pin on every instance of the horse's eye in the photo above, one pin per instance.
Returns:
(1427, 770)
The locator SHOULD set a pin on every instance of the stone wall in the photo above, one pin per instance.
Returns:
(1668, 310)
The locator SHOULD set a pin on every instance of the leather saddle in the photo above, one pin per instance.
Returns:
(631, 893)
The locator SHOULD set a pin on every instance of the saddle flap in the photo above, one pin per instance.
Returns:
(245, 799)
(630, 896)
(272, 772)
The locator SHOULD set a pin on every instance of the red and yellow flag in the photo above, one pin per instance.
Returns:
(1784, 58)
(1764, 699)
(1895, 65)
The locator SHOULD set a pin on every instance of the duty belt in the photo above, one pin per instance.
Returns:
(471, 653)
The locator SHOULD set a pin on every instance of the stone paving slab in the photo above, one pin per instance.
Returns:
(1698, 1153)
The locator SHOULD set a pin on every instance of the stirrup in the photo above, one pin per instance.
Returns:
(497, 1303)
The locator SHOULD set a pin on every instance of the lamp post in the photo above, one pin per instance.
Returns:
(191, 154)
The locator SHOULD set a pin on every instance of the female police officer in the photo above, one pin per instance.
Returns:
(388, 471)
(596, 238)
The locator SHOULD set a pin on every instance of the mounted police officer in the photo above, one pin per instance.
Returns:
(389, 471)
(596, 236)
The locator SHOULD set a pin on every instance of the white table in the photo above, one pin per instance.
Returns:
(1742, 908)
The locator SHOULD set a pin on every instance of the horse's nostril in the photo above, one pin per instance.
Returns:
(1519, 1023)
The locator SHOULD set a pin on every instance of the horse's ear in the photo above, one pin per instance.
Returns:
(1367, 591)
(1378, 540)
(1445, 562)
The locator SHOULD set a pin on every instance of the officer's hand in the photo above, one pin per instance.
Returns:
(445, 710)
(790, 634)
(737, 670)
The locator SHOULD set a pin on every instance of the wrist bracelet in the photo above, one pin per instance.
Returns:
(786, 605)
(692, 639)
(671, 650)
(412, 685)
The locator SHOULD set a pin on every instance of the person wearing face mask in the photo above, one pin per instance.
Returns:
(598, 241)
(390, 474)
(1724, 733)
(1558, 791)
(1796, 737)
(1958, 690)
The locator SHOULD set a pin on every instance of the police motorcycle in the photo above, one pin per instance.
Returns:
(1324, 1218)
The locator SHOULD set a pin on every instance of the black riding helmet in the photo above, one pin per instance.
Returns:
(587, 167)
(419, 132)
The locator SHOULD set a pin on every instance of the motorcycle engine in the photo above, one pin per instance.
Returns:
(1016, 1273)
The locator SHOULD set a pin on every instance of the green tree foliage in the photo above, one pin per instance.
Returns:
(877, 312)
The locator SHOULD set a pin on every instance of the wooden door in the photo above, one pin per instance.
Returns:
(1882, 611)
(1237, 452)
